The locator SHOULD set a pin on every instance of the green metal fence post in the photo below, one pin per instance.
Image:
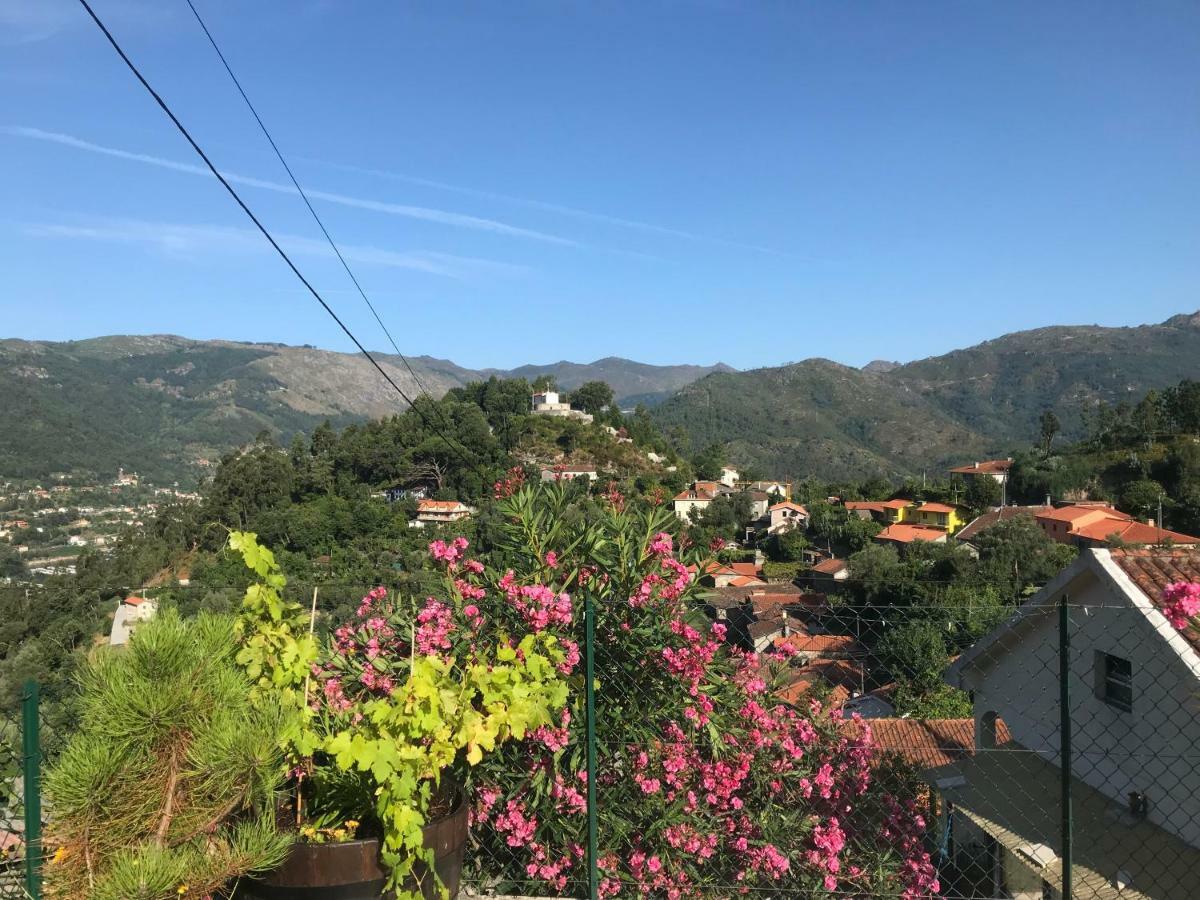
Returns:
(32, 747)
(1064, 700)
(589, 692)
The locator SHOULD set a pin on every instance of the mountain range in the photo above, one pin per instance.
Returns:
(820, 417)
(158, 403)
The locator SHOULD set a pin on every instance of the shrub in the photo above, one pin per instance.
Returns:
(168, 787)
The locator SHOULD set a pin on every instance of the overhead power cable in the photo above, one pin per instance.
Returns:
(295, 183)
(270, 239)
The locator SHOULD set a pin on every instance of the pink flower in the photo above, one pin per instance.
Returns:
(1182, 603)
(661, 544)
(448, 553)
(552, 559)
(434, 627)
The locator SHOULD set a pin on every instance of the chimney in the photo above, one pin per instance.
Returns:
(977, 465)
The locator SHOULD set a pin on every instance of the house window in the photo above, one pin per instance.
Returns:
(1114, 682)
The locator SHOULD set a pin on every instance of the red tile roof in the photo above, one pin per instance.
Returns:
(1153, 570)
(985, 467)
(745, 581)
(995, 516)
(930, 743)
(898, 503)
(827, 645)
(694, 495)
(871, 505)
(439, 506)
(135, 601)
(936, 508)
(830, 566)
(1131, 532)
(788, 504)
(905, 533)
(1077, 511)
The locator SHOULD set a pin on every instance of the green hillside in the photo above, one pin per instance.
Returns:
(820, 418)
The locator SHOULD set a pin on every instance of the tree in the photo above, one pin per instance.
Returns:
(172, 776)
(1016, 553)
(709, 463)
(789, 546)
(592, 397)
(983, 492)
(1183, 406)
(916, 653)
(1142, 497)
(544, 382)
(1050, 426)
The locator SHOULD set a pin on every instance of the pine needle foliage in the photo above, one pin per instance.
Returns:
(169, 786)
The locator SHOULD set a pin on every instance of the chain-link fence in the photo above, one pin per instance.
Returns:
(780, 741)
(1041, 750)
(20, 799)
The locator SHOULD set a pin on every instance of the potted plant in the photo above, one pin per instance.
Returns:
(394, 699)
(167, 788)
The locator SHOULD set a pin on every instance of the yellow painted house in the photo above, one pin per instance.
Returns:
(939, 515)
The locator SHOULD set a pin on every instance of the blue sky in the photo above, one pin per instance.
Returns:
(668, 181)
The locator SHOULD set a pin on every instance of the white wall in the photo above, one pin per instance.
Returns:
(1153, 750)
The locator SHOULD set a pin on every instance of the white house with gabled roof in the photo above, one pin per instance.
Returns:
(1134, 698)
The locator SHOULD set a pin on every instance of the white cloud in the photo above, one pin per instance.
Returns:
(189, 241)
(426, 214)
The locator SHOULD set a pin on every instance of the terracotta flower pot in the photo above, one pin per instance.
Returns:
(351, 870)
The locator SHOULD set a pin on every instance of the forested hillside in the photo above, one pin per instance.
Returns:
(159, 404)
(816, 417)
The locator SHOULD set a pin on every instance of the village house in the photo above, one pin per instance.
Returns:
(782, 488)
(939, 515)
(698, 497)
(886, 512)
(548, 403)
(1099, 524)
(969, 532)
(786, 516)
(1133, 679)
(759, 504)
(129, 612)
(729, 477)
(996, 469)
(903, 534)
(830, 570)
(439, 512)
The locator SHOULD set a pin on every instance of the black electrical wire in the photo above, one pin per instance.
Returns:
(267, 234)
(304, 197)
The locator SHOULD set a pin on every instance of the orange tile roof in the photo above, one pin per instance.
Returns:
(896, 504)
(694, 495)
(872, 505)
(830, 566)
(1077, 511)
(930, 743)
(828, 645)
(1133, 533)
(985, 467)
(936, 508)
(1153, 570)
(439, 506)
(788, 504)
(745, 581)
(905, 533)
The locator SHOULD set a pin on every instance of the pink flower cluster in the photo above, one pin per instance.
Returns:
(435, 623)
(1181, 603)
(512, 482)
(449, 553)
(538, 605)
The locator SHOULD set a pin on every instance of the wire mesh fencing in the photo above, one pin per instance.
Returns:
(20, 799)
(774, 742)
